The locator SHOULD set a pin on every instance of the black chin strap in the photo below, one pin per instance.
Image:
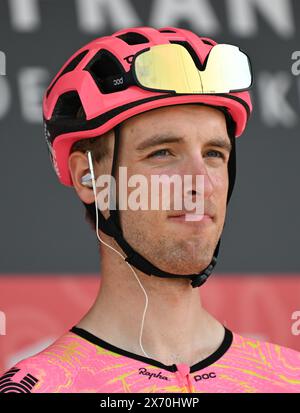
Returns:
(112, 227)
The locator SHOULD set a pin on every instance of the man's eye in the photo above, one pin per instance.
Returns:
(160, 153)
(215, 154)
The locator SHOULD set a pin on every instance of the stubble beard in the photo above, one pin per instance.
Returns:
(171, 253)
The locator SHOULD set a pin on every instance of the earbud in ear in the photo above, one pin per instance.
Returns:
(86, 180)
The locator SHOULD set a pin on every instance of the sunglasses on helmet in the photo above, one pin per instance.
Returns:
(171, 68)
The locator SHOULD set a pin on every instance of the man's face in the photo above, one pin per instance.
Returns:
(183, 140)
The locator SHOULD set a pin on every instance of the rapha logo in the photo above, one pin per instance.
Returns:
(145, 372)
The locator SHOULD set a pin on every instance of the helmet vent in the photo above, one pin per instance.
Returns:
(133, 38)
(207, 42)
(104, 64)
(167, 31)
(77, 59)
(71, 66)
(69, 106)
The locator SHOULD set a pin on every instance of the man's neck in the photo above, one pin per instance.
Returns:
(177, 329)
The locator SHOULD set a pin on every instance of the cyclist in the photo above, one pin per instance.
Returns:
(158, 102)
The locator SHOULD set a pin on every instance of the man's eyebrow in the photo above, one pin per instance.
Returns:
(221, 143)
(158, 139)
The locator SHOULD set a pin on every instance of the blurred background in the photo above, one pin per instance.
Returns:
(49, 265)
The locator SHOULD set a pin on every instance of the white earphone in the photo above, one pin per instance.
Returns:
(89, 180)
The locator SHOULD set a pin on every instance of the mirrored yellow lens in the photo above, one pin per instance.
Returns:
(227, 70)
(168, 67)
(171, 67)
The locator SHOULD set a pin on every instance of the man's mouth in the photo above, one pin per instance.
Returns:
(190, 217)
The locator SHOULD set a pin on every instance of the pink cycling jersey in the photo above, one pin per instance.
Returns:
(79, 362)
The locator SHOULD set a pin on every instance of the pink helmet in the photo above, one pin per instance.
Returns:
(80, 87)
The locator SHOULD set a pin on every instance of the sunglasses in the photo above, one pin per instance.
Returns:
(171, 68)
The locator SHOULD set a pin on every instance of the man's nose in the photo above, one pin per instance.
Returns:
(195, 166)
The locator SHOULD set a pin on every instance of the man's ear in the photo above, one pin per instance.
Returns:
(79, 168)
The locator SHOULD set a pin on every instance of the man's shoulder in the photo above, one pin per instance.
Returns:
(256, 346)
(262, 366)
(265, 354)
(48, 371)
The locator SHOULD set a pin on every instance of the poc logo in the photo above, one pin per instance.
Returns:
(117, 82)
(205, 376)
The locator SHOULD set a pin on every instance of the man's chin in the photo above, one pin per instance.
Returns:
(186, 268)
